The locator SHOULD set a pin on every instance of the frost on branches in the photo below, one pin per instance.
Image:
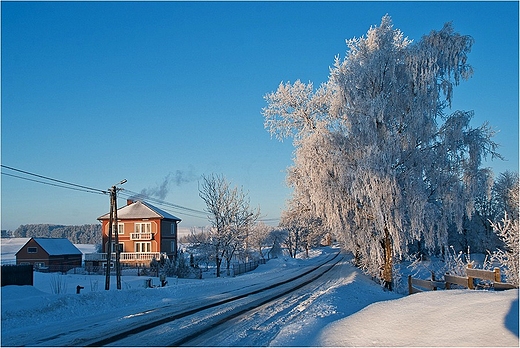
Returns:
(507, 231)
(231, 218)
(378, 159)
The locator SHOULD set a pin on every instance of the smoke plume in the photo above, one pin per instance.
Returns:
(161, 190)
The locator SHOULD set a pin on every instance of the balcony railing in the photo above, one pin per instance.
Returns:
(123, 256)
(140, 236)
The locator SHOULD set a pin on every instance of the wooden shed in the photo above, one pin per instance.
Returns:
(52, 254)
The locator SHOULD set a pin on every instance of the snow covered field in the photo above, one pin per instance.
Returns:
(352, 311)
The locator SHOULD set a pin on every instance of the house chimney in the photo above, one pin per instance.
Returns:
(129, 201)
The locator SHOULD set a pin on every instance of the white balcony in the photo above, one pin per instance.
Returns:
(141, 236)
(123, 256)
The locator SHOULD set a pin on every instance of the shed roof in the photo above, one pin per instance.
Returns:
(140, 210)
(55, 246)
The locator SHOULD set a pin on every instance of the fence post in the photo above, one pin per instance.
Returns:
(497, 274)
(470, 279)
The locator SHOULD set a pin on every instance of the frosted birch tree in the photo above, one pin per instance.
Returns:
(259, 238)
(378, 157)
(230, 215)
(302, 226)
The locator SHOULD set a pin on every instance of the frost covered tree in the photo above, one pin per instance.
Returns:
(505, 194)
(259, 238)
(275, 240)
(230, 215)
(378, 156)
(200, 246)
(477, 234)
(506, 191)
(492, 201)
(302, 226)
(508, 256)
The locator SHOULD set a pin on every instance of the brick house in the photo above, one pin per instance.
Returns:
(144, 232)
(53, 254)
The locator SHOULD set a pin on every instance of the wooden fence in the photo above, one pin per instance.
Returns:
(17, 275)
(419, 285)
(489, 279)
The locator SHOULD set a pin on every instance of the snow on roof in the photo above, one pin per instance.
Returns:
(57, 246)
(141, 210)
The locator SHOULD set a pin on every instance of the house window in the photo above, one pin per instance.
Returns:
(114, 249)
(120, 228)
(172, 247)
(32, 250)
(143, 247)
(172, 231)
(143, 227)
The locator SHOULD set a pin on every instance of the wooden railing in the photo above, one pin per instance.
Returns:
(415, 285)
(123, 256)
(493, 277)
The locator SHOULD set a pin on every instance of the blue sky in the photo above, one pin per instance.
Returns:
(94, 92)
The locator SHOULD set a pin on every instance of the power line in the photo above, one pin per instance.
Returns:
(185, 210)
(199, 214)
(51, 184)
(52, 179)
(158, 201)
(72, 186)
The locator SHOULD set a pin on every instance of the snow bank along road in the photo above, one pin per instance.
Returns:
(175, 322)
(204, 326)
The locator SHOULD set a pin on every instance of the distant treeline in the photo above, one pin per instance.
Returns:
(77, 234)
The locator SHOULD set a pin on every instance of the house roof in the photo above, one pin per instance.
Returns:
(55, 246)
(140, 210)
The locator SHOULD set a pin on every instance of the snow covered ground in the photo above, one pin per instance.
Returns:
(350, 311)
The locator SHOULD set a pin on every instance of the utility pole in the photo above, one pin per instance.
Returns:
(116, 242)
(109, 244)
(113, 228)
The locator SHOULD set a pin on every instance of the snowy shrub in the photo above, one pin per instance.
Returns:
(58, 284)
(182, 268)
(154, 266)
(400, 283)
(93, 285)
(456, 263)
(179, 267)
(507, 230)
(167, 268)
(417, 267)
